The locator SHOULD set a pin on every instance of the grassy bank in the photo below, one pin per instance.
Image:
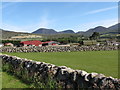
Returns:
(10, 81)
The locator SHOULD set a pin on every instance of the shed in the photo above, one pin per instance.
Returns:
(50, 43)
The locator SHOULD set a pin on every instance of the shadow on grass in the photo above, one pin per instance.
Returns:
(50, 84)
(19, 78)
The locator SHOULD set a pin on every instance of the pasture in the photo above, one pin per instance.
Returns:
(10, 81)
(105, 62)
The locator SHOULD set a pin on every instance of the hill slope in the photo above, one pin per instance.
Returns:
(102, 30)
(45, 31)
(4, 34)
(99, 29)
(67, 32)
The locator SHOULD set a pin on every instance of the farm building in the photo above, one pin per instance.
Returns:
(31, 43)
(8, 44)
(50, 43)
(112, 43)
(38, 43)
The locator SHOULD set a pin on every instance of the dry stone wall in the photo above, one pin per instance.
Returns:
(57, 48)
(36, 72)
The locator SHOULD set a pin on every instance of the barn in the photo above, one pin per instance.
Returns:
(50, 43)
(31, 43)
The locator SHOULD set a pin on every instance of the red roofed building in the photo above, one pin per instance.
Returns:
(50, 43)
(32, 43)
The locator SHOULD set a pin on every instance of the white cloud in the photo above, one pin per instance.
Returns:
(16, 28)
(13, 28)
(100, 10)
(43, 22)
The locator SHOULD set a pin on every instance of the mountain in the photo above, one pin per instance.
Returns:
(52, 31)
(45, 31)
(102, 30)
(99, 29)
(80, 32)
(67, 32)
(5, 34)
(114, 28)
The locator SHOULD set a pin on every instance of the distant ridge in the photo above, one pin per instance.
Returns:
(67, 32)
(99, 29)
(114, 29)
(102, 30)
(52, 31)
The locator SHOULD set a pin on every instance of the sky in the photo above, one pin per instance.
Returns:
(77, 16)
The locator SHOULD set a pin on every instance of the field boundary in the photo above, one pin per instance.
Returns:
(58, 49)
(56, 76)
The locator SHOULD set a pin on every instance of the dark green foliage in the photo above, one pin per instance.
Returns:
(64, 38)
(15, 42)
(95, 36)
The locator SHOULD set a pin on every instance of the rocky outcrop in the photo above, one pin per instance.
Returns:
(57, 48)
(36, 72)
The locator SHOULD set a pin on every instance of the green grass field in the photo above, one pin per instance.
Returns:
(105, 62)
(10, 81)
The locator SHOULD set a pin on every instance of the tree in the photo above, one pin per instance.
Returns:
(95, 36)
